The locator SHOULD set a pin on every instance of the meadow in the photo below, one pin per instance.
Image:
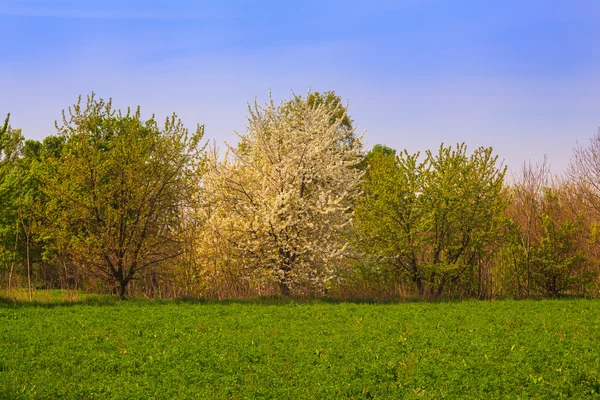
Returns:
(97, 348)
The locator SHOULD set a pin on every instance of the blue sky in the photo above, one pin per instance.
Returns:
(521, 76)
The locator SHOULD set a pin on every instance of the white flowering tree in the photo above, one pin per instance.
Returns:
(282, 198)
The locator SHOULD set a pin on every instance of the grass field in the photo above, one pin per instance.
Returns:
(290, 350)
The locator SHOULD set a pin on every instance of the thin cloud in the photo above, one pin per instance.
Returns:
(101, 14)
(107, 9)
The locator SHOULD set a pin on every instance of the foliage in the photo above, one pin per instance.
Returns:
(11, 149)
(274, 349)
(432, 220)
(11, 143)
(118, 191)
(282, 199)
(556, 257)
(558, 262)
(547, 237)
(116, 204)
(337, 111)
(379, 150)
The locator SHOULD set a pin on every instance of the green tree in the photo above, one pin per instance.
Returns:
(28, 202)
(338, 114)
(431, 220)
(11, 146)
(119, 189)
(11, 150)
(379, 150)
(557, 258)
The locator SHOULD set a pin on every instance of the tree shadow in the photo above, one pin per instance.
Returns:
(274, 300)
(8, 303)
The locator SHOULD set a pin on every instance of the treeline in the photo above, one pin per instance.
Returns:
(116, 204)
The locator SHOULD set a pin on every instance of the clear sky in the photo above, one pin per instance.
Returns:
(522, 76)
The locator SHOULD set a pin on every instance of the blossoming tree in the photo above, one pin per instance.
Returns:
(282, 198)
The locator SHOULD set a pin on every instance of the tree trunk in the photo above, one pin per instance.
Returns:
(416, 277)
(284, 280)
(28, 267)
(419, 282)
(12, 263)
(440, 288)
(285, 268)
(284, 286)
(122, 288)
(66, 279)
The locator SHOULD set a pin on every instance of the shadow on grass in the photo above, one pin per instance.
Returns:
(275, 300)
(91, 300)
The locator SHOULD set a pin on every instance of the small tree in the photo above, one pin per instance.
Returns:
(11, 150)
(11, 147)
(432, 220)
(118, 191)
(524, 211)
(584, 174)
(557, 258)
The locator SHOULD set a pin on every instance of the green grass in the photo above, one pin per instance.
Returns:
(289, 350)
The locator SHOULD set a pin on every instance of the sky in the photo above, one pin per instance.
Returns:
(520, 76)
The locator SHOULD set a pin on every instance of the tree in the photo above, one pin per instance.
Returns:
(119, 189)
(11, 146)
(11, 149)
(28, 200)
(333, 105)
(379, 150)
(556, 259)
(525, 214)
(283, 197)
(584, 171)
(431, 220)
(549, 235)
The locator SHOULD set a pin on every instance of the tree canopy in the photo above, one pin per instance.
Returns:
(285, 195)
(118, 189)
(431, 219)
(117, 203)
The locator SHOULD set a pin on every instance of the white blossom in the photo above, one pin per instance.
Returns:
(282, 197)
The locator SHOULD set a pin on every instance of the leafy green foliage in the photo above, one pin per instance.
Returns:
(332, 103)
(431, 220)
(11, 149)
(503, 349)
(547, 245)
(115, 203)
(117, 191)
(556, 257)
(378, 150)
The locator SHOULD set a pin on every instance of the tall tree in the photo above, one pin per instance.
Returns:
(28, 201)
(119, 188)
(284, 195)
